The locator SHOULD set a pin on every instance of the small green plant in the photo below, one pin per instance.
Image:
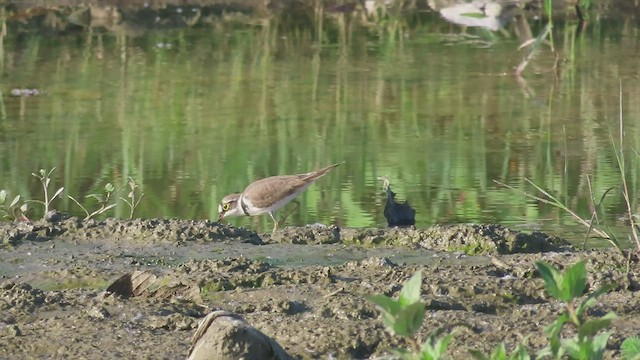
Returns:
(589, 342)
(500, 353)
(15, 209)
(103, 201)
(630, 348)
(434, 347)
(45, 179)
(134, 201)
(135, 196)
(403, 317)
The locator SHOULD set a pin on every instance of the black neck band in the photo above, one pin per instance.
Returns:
(245, 208)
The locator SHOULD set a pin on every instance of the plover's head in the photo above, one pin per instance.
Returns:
(229, 207)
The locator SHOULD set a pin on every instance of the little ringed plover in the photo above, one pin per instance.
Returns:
(268, 195)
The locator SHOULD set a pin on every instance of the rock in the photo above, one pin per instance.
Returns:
(224, 335)
(132, 284)
(98, 313)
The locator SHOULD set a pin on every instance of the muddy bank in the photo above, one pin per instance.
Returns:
(304, 287)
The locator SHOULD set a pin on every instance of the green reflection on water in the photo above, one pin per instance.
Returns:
(222, 107)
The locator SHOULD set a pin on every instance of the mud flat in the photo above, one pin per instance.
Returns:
(304, 287)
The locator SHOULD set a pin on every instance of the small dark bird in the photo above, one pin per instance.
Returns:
(397, 214)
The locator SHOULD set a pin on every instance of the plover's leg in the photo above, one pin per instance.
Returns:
(290, 212)
(275, 222)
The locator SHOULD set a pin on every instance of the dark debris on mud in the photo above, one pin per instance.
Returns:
(314, 311)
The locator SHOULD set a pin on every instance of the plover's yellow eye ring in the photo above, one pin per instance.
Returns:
(225, 207)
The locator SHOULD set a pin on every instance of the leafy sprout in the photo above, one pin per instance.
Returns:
(14, 210)
(589, 342)
(404, 316)
(134, 198)
(103, 201)
(45, 179)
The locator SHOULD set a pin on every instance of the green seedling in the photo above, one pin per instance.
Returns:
(590, 340)
(103, 201)
(45, 179)
(403, 317)
(630, 348)
(15, 209)
(133, 201)
(500, 353)
(567, 287)
(434, 347)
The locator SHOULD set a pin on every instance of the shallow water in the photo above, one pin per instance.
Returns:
(195, 113)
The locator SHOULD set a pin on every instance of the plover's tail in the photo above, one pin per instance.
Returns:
(318, 173)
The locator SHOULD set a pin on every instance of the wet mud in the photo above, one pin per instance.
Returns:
(303, 287)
